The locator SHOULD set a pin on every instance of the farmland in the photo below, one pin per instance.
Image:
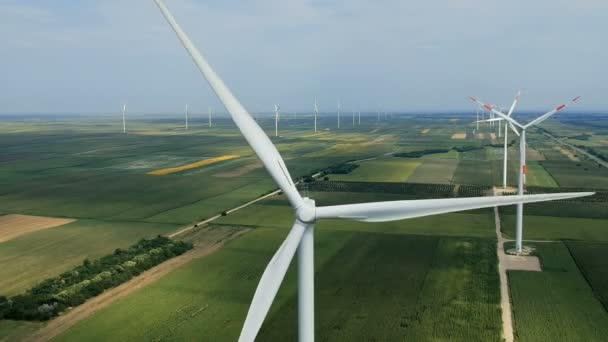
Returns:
(557, 303)
(436, 275)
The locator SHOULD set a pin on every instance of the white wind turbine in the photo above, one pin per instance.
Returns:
(521, 132)
(504, 166)
(209, 111)
(300, 237)
(276, 120)
(124, 120)
(186, 116)
(339, 107)
(316, 114)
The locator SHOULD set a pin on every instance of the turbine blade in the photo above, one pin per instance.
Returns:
(254, 135)
(514, 103)
(399, 210)
(493, 110)
(490, 120)
(271, 281)
(513, 129)
(551, 112)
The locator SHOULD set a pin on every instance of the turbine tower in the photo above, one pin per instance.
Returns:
(124, 121)
(316, 113)
(505, 147)
(300, 237)
(186, 116)
(209, 111)
(359, 117)
(276, 120)
(353, 118)
(339, 107)
(521, 132)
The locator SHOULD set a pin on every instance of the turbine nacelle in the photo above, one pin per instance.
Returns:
(307, 211)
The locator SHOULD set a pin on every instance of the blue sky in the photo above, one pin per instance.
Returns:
(91, 55)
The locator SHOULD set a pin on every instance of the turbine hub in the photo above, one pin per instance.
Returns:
(307, 211)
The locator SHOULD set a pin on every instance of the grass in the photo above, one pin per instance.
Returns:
(591, 259)
(33, 257)
(556, 304)
(557, 228)
(381, 170)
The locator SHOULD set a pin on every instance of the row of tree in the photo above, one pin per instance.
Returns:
(74, 287)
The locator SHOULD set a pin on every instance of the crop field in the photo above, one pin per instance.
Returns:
(420, 278)
(591, 260)
(191, 166)
(434, 171)
(557, 228)
(381, 170)
(33, 257)
(556, 304)
(12, 226)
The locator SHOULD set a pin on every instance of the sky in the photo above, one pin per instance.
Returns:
(90, 56)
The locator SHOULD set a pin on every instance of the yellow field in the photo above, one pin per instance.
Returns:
(459, 136)
(195, 165)
(12, 226)
(425, 131)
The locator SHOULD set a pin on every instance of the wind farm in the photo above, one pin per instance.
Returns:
(240, 207)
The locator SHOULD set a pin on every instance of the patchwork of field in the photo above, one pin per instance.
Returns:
(12, 226)
(431, 278)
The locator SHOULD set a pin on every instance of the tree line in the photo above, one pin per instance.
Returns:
(52, 296)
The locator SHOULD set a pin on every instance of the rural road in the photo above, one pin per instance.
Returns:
(578, 150)
(505, 301)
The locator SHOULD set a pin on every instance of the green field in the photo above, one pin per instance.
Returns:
(362, 278)
(591, 260)
(33, 257)
(556, 304)
(557, 228)
(381, 170)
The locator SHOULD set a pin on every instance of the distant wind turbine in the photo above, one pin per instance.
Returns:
(339, 106)
(316, 113)
(301, 236)
(276, 120)
(186, 116)
(124, 121)
(522, 155)
(209, 110)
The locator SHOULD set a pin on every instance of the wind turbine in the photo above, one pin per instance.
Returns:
(186, 116)
(521, 132)
(276, 120)
(353, 118)
(504, 168)
(124, 122)
(209, 110)
(359, 115)
(339, 106)
(316, 113)
(300, 237)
